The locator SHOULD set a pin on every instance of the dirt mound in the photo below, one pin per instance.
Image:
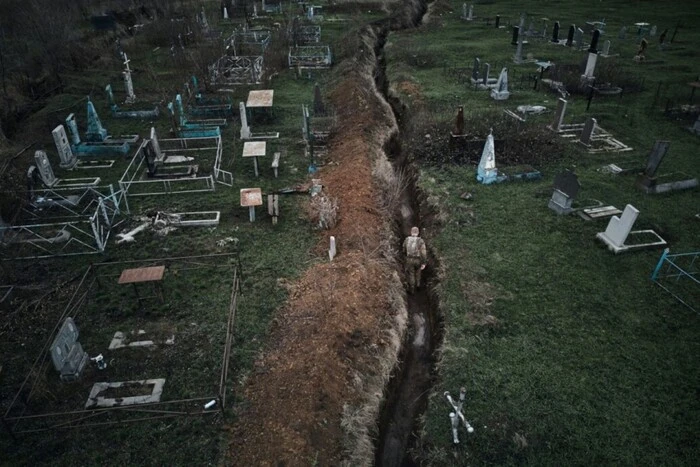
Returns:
(328, 338)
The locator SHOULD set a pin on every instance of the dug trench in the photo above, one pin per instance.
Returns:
(407, 392)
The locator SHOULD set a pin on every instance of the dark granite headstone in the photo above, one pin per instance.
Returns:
(555, 33)
(570, 36)
(567, 182)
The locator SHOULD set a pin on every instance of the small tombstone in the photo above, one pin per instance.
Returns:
(623, 33)
(60, 139)
(662, 37)
(497, 22)
(652, 31)
(587, 132)
(570, 35)
(619, 227)
(225, 13)
(566, 187)
(588, 75)
(487, 70)
(67, 354)
(331, 250)
(516, 33)
(470, 13)
(594, 42)
(657, 154)
(555, 33)
(475, 70)
(578, 38)
(500, 92)
(531, 29)
(459, 122)
(606, 49)
(45, 170)
(487, 172)
(642, 50)
(559, 114)
(73, 130)
(156, 145)
(518, 57)
(319, 107)
(128, 84)
(273, 207)
(95, 131)
(245, 129)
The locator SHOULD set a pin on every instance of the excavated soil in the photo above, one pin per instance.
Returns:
(332, 330)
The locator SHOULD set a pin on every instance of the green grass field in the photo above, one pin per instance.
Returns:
(570, 355)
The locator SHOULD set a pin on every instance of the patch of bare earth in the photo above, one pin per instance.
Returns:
(328, 339)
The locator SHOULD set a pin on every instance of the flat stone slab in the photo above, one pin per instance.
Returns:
(261, 98)
(154, 385)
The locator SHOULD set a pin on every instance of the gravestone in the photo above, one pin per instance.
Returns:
(225, 13)
(486, 172)
(588, 75)
(518, 57)
(73, 130)
(516, 33)
(45, 170)
(696, 126)
(531, 29)
(487, 70)
(500, 92)
(570, 36)
(662, 37)
(521, 25)
(95, 131)
(619, 227)
(498, 21)
(459, 122)
(470, 13)
(606, 49)
(559, 114)
(594, 42)
(578, 38)
(652, 31)
(60, 139)
(657, 154)
(623, 33)
(156, 145)
(475, 70)
(130, 96)
(587, 132)
(555, 33)
(245, 129)
(319, 107)
(566, 187)
(67, 354)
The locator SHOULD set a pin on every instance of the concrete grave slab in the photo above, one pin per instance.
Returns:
(152, 389)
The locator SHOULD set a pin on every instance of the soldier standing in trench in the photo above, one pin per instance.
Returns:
(416, 258)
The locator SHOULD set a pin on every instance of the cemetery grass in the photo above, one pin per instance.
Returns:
(570, 355)
(268, 257)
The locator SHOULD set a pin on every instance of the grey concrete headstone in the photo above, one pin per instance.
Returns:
(587, 132)
(606, 48)
(623, 32)
(657, 154)
(45, 170)
(559, 115)
(67, 354)
(578, 38)
(65, 153)
(475, 69)
(156, 145)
